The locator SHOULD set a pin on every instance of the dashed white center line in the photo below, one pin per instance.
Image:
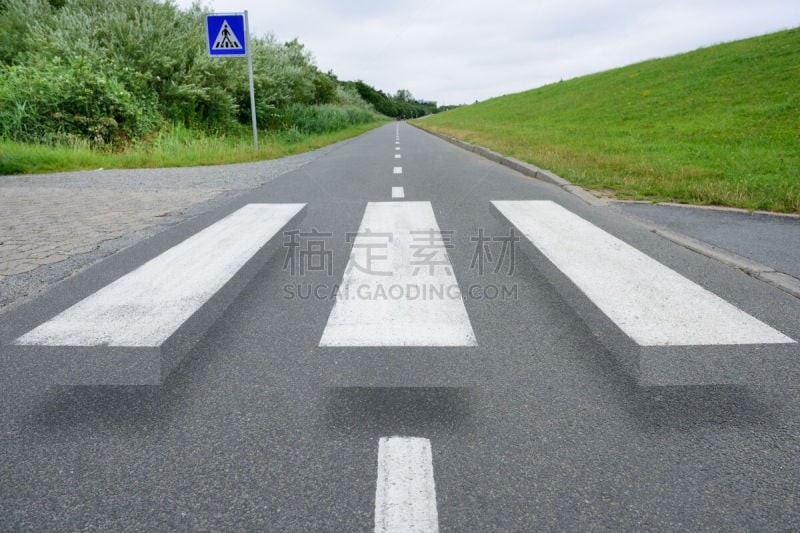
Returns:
(405, 494)
(397, 156)
(398, 170)
(396, 147)
(398, 192)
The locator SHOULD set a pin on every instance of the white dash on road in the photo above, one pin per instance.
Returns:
(397, 142)
(397, 170)
(146, 306)
(398, 192)
(399, 288)
(396, 147)
(397, 156)
(405, 494)
(651, 303)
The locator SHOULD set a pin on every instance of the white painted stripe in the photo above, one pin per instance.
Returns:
(390, 295)
(398, 192)
(397, 156)
(146, 306)
(652, 304)
(405, 495)
(396, 147)
(396, 142)
(397, 170)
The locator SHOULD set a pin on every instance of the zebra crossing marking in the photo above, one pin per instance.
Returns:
(651, 303)
(390, 295)
(146, 306)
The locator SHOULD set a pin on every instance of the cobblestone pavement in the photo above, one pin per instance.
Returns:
(44, 225)
(52, 225)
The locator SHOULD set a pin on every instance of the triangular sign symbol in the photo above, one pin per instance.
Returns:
(226, 39)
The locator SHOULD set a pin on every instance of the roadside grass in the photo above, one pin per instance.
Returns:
(717, 126)
(174, 146)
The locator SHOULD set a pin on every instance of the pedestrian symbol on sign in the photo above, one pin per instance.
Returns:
(226, 34)
(226, 39)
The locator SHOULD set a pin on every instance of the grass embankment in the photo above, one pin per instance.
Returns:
(172, 147)
(717, 126)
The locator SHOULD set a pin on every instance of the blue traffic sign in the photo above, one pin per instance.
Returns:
(226, 34)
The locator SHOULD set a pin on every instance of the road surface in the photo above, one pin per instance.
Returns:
(509, 403)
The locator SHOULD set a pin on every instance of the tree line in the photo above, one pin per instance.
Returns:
(111, 72)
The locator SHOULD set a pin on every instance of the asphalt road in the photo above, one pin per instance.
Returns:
(536, 426)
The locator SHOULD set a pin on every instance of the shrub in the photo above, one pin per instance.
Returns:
(55, 102)
(322, 119)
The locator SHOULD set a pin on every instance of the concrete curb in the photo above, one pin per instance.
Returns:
(782, 281)
(709, 208)
(785, 282)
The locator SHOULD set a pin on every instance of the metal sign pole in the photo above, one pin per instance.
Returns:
(250, 70)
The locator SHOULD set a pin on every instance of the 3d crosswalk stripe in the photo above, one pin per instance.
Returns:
(405, 495)
(398, 192)
(651, 303)
(399, 288)
(145, 307)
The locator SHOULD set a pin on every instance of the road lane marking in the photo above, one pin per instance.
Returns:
(396, 142)
(396, 147)
(146, 306)
(397, 156)
(397, 170)
(399, 288)
(398, 192)
(651, 303)
(405, 493)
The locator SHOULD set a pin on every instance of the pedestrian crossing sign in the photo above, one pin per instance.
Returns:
(226, 34)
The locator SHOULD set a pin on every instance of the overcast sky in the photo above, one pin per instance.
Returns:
(459, 51)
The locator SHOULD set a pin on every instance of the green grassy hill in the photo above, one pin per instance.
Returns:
(720, 125)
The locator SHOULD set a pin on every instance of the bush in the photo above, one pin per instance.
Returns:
(323, 119)
(55, 102)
